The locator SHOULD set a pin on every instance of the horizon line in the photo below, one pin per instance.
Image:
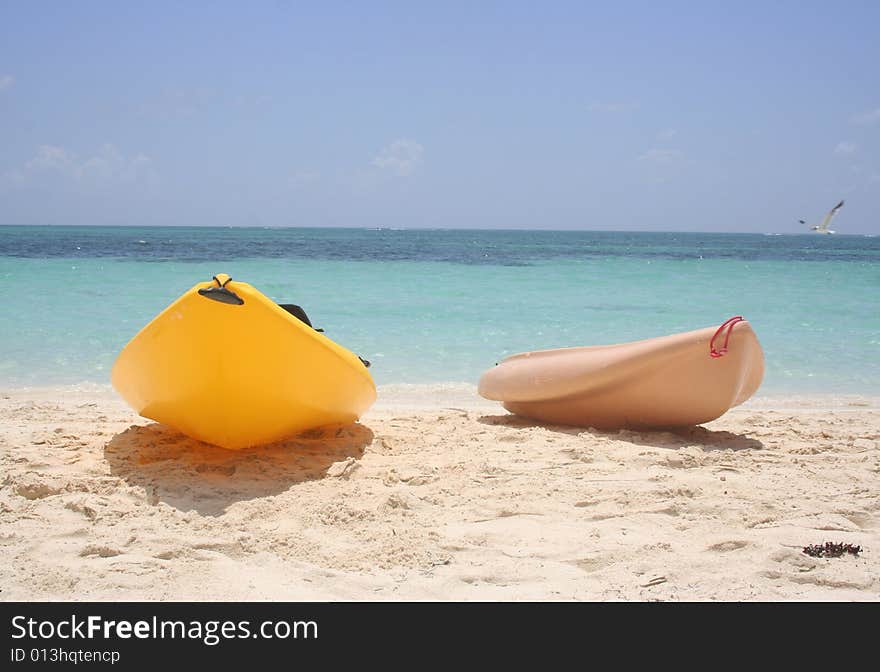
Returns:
(413, 228)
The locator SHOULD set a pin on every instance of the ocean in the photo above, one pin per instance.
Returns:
(432, 306)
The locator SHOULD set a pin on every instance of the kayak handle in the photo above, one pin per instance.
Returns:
(728, 324)
(222, 295)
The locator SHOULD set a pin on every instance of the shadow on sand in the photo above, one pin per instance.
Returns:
(191, 475)
(675, 437)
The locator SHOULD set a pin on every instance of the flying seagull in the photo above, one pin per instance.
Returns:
(823, 227)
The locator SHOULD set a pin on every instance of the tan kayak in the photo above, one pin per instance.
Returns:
(670, 381)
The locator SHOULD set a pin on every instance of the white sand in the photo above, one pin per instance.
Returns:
(438, 495)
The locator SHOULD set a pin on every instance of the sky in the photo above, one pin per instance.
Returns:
(675, 116)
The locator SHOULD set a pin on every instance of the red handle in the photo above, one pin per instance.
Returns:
(729, 325)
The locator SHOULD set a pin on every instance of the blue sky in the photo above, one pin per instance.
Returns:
(713, 116)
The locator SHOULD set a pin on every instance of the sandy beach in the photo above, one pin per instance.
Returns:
(438, 495)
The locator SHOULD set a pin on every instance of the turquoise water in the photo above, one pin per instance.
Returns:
(439, 306)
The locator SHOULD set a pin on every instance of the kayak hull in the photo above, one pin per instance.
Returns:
(239, 375)
(664, 382)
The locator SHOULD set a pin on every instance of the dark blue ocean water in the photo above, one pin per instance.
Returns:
(504, 248)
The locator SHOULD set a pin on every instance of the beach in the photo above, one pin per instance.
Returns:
(273, 274)
(437, 494)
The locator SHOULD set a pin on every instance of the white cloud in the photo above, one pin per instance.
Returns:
(613, 107)
(111, 165)
(106, 166)
(661, 156)
(6, 82)
(666, 133)
(867, 118)
(49, 157)
(845, 147)
(402, 157)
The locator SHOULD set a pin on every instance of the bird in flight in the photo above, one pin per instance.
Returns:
(823, 227)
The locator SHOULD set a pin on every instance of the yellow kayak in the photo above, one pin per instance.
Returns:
(226, 365)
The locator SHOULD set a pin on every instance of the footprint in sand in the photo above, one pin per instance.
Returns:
(99, 551)
(590, 565)
(727, 546)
